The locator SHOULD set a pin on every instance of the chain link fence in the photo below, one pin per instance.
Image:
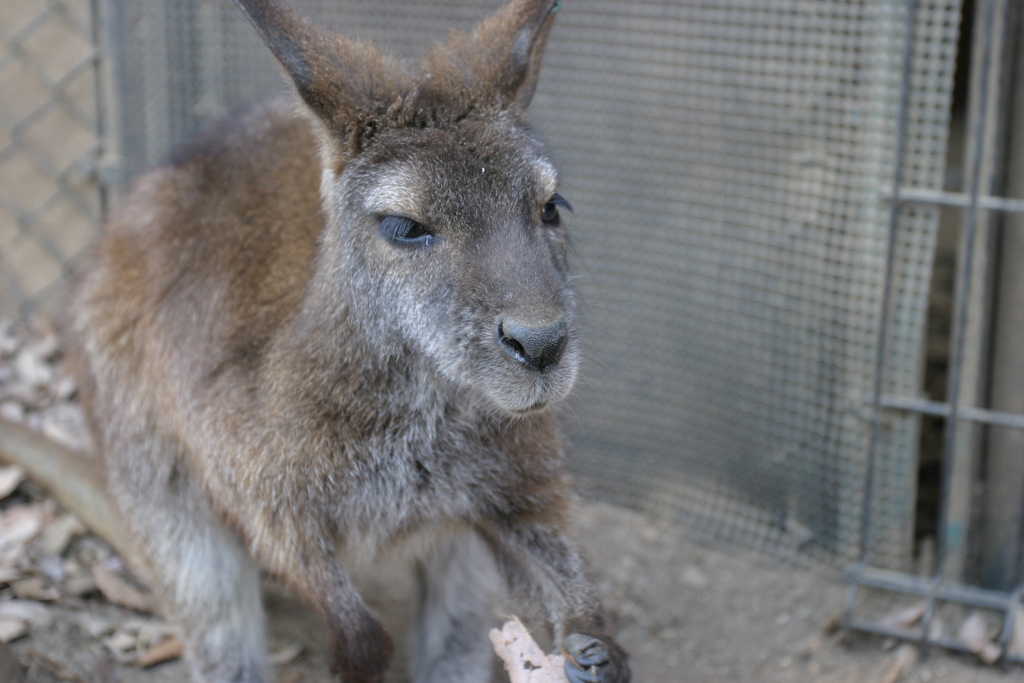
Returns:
(50, 198)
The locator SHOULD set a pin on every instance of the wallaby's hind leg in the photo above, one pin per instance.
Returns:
(208, 584)
(459, 589)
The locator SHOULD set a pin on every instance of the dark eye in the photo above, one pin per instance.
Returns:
(549, 214)
(405, 231)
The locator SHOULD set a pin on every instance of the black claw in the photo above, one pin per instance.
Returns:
(591, 660)
(585, 651)
(576, 675)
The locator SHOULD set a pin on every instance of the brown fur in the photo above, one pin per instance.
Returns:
(268, 376)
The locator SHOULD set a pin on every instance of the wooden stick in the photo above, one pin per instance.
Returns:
(524, 660)
(73, 479)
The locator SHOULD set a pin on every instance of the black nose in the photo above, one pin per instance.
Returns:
(538, 346)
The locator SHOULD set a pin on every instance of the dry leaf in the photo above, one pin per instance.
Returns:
(32, 368)
(93, 625)
(8, 574)
(65, 424)
(12, 411)
(33, 612)
(524, 660)
(64, 388)
(58, 534)
(285, 655)
(122, 645)
(12, 629)
(9, 340)
(34, 589)
(168, 649)
(20, 524)
(117, 591)
(80, 586)
(10, 477)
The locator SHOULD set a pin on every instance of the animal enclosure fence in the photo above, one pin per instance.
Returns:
(733, 164)
(51, 147)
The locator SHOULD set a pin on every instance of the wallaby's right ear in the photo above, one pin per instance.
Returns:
(338, 78)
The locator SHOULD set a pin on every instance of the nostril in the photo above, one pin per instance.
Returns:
(511, 342)
(538, 346)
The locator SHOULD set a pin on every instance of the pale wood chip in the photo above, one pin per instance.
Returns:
(973, 632)
(693, 577)
(57, 536)
(10, 477)
(991, 653)
(285, 655)
(904, 657)
(12, 629)
(904, 618)
(166, 650)
(523, 658)
(117, 591)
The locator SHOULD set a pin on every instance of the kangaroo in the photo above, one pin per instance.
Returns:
(336, 325)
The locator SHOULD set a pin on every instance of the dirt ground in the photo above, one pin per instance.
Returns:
(686, 612)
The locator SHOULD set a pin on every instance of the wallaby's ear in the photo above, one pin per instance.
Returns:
(502, 56)
(515, 36)
(340, 79)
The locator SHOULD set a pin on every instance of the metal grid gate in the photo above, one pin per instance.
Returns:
(979, 537)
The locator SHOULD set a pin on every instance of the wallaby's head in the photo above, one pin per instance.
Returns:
(444, 237)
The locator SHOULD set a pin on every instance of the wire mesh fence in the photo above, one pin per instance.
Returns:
(50, 197)
(728, 162)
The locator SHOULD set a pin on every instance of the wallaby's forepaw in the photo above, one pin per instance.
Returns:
(589, 659)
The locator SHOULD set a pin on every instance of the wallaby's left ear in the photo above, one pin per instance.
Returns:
(512, 41)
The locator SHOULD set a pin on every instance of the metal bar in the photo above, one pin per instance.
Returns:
(960, 319)
(941, 409)
(1001, 519)
(898, 582)
(890, 264)
(902, 125)
(919, 195)
(934, 589)
(948, 643)
(1006, 637)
